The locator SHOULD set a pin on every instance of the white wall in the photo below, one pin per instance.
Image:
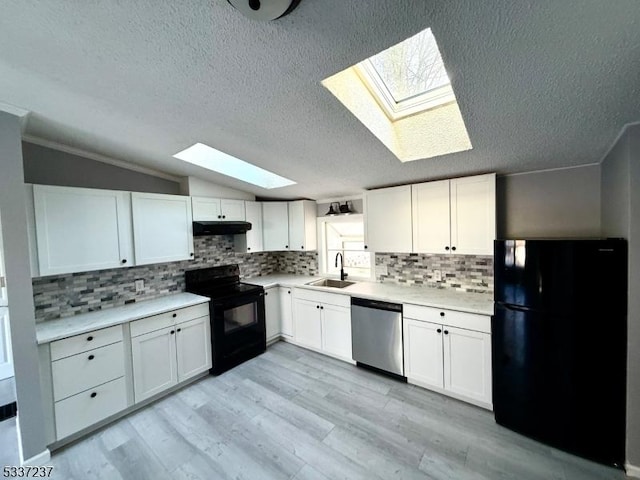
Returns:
(552, 204)
(621, 218)
(19, 288)
(201, 188)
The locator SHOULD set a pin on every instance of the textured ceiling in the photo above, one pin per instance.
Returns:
(541, 84)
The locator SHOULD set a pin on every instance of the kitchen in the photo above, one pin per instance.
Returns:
(581, 201)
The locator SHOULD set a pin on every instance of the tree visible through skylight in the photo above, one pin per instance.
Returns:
(412, 67)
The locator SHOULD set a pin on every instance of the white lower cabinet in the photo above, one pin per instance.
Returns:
(453, 358)
(88, 379)
(272, 312)
(322, 322)
(286, 311)
(166, 356)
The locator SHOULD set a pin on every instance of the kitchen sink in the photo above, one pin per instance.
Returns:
(329, 282)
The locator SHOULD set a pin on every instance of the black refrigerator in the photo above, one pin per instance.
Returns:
(559, 343)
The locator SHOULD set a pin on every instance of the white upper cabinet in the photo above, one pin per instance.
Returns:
(473, 214)
(81, 229)
(251, 242)
(431, 217)
(275, 226)
(455, 216)
(162, 228)
(217, 209)
(388, 219)
(303, 225)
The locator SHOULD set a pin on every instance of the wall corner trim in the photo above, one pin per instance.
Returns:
(37, 460)
(632, 470)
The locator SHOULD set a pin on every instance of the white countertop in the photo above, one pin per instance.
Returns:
(86, 322)
(480, 303)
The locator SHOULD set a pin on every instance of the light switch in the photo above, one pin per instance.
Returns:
(139, 285)
(437, 275)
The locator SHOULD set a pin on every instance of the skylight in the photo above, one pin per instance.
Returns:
(409, 77)
(403, 95)
(217, 161)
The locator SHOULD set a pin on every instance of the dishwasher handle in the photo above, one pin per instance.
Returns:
(362, 302)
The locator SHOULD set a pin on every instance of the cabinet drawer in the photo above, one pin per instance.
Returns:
(85, 342)
(164, 320)
(468, 321)
(80, 372)
(336, 299)
(89, 407)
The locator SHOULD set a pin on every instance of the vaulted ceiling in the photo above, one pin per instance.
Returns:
(540, 84)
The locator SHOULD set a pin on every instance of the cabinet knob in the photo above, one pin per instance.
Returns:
(366, 246)
(93, 394)
(191, 254)
(224, 216)
(317, 306)
(446, 248)
(286, 246)
(302, 247)
(446, 332)
(124, 260)
(439, 330)
(248, 248)
(321, 308)
(172, 332)
(89, 338)
(453, 248)
(174, 315)
(179, 330)
(266, 293)
(289, 292)
(442, 314)
(219, 216)
(91, 357)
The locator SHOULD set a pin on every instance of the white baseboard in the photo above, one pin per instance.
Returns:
(632, 470)
(37, 460)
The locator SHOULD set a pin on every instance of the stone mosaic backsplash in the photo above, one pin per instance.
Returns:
(66, 295)
(298, 263)
(469, 273)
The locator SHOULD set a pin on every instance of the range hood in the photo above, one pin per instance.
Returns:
(220, 228)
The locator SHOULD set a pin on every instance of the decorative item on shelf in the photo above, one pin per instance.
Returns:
(333, 211)
(346, 209)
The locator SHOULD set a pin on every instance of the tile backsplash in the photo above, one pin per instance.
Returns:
(469, 273)
(70, 294)
(298, 263)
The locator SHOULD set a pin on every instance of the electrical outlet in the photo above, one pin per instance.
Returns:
(437, 275)
(139, 285)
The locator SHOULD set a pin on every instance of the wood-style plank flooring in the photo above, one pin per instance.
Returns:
(294, 414)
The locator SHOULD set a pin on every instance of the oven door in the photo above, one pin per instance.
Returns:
(238, 329)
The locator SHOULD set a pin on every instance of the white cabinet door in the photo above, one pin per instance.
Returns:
(206, 209)
(286, 311)
(3, 280)
(154, 362)
(302, 225)
(307, 325)
(254, 236)
(6, 357)
(275, 226)
(467, 363)
(388, 219)
(232, 210)
(473, 214)
(81, 229)
(272, 312)
(336, 330)
(423, 352)
(431, 221)
(162, 228)
(193, 347)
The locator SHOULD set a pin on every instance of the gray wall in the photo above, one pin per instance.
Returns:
(552, 204)
(13, 219)
(47, 166)
(621, 218)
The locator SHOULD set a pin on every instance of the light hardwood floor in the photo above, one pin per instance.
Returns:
(291, 413)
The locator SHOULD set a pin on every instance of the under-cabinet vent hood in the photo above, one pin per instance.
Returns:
(220, 228)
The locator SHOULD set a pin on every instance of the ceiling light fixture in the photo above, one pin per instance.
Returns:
(264, 10)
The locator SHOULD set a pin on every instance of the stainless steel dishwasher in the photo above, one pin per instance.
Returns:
(376, 335)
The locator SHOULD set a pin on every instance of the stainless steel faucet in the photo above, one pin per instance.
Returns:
(342, 274)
